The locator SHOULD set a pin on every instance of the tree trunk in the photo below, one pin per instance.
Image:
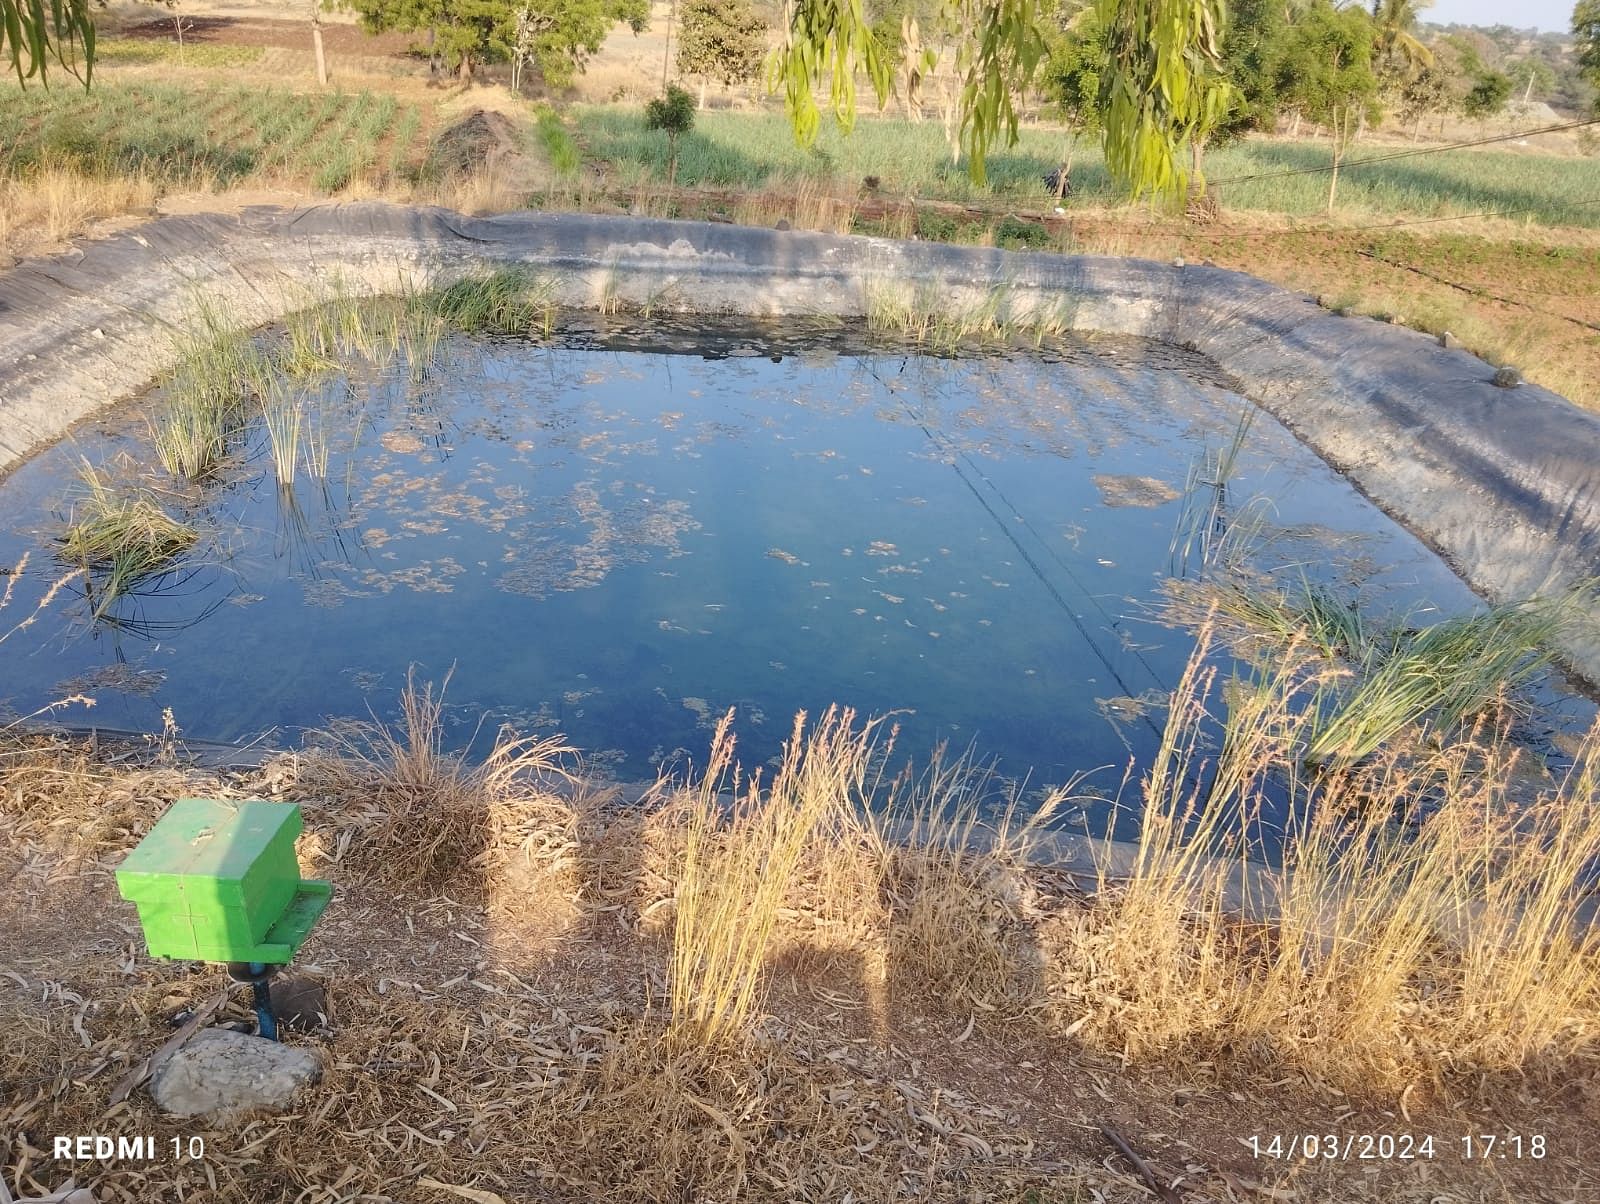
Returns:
(702, 92)
(666, 53)
(177, 24)
(672, 162)
(1416, 128)
(316, 43)
(1294, 126)
(1338, 156)
(435, 63)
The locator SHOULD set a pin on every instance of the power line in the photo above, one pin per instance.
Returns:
(1410, 152)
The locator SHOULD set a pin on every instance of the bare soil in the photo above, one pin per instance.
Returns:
(453, 1016)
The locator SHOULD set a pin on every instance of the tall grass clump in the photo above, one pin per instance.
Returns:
(120, 536)
(507, 301)
(559, 148)
(1379, 956)
(219, 370)
(952, 846)
(415, 815)
(1385, 680)
(927, 315)
(739, 865)
(283, 414)
(1445, 674)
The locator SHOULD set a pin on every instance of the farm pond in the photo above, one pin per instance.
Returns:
(622, 530)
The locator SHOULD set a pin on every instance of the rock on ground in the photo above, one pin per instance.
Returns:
(222, 1071)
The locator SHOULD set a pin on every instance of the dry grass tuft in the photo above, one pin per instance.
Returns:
(53, 203)
(739, 866)
(1424, 923)
(410, 814)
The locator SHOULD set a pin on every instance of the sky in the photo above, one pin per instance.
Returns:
(1545, 14)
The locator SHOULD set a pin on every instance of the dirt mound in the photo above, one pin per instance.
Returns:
(476, 139)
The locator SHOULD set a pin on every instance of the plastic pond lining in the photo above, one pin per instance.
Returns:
(1503, 482)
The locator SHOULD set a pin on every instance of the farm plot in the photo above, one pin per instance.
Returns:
(181, 137)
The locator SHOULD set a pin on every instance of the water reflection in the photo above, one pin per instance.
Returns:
(624, 531)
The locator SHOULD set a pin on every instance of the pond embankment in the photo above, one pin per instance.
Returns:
(1504, 482)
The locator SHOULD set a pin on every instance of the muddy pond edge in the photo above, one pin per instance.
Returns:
(1503, 482)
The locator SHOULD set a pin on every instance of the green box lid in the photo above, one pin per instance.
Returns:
(213, 838)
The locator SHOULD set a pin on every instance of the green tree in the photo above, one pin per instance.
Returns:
(559, 35)
(997, 45)
(1077, 59)
(1487, 97)
(33, 35)
(673, 114)
(1427, 92)
(1532, 75)
(1586, 41)
(1071, 78)
(1251, 48)
(1162, 87)
(720, 39)
(1326, 74)
(1400, 53)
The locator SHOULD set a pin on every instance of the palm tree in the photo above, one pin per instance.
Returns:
(33, 32)
(1398, 43)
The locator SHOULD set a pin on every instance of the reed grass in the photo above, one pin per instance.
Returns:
(283, 413)
(930, 315)
(1444, 674)
(220, 369)
(1386, 680)
(508, 301)
(119, 537)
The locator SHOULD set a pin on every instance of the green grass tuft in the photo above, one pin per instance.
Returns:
(121, 537)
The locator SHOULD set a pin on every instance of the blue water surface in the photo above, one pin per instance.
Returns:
(622, 532)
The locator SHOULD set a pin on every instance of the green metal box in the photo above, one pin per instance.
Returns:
(217, 881)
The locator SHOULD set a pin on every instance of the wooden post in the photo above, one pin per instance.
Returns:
(316, 43)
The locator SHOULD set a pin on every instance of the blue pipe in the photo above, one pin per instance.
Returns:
(261, 988)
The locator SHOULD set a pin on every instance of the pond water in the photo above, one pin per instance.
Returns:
(621, 532)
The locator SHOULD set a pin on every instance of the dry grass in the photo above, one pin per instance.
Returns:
(1424, 924)
(738, 870)
(404, 811)
(552, 1059)
(1400, 946)
(54, 203)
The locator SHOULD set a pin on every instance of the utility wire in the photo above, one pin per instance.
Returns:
(953, 456)
(1408, 153)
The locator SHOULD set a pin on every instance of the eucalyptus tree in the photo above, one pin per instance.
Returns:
(1161, 88)
(34, 34)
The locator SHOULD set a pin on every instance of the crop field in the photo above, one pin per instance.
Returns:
(187, 137)
(127, 52)
(758, 150)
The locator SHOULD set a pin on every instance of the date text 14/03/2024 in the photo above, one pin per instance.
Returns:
(1395, 1147)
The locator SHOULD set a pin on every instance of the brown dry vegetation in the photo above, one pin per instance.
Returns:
(739, 988)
